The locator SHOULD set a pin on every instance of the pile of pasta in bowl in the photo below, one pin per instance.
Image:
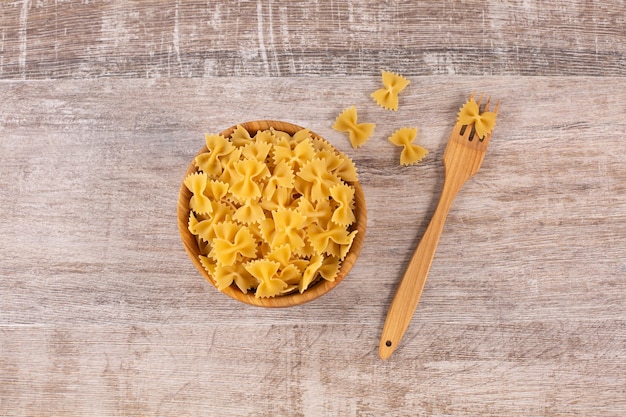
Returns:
(271, 214)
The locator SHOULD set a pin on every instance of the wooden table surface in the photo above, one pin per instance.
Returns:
(104, 103)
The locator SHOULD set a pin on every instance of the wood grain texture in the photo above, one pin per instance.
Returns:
(523, 313)
(103, 104)
(170, 38)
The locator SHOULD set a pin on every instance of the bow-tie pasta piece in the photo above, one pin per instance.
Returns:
(257, 151)
(231, 243)
(248, 174)
(249, 213)
(314, 181)
(483, 122)
(282, 198)
(225, 276)
(228, 166)
(282, 178)
(205, 228)
(210, 162)
(266, 273)
(310, 272)
(272, 213)
(343, 196)
(330, 268)
(315, 212)
(346, 170)
(411, 153)
(281, 254)
(241, 137)
(358, 133)
(329, 239)
(387, 97)
(216, 190)
(288, 229)
(293, 154)
(197, 183)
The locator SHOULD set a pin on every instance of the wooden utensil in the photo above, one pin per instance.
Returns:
(462, 158)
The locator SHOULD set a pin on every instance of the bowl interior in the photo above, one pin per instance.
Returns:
(315, 290)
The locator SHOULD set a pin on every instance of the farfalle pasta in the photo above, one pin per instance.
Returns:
(483, 122)
(197, 184)
(272, 213)
(343, 194)
(358, 133)
(387, 97)
(411, 153)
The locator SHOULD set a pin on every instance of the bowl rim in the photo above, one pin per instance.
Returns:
(296, 298)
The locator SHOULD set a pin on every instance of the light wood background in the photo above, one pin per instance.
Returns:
(104, 103)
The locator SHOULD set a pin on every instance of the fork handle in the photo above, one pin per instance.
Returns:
(410, 289)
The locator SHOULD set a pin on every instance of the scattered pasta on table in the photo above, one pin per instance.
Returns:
(411, 153)
(387, 97)
(358, 133)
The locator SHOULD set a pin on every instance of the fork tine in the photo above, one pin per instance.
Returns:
(486, 108)
(497, 107)
(495, 110)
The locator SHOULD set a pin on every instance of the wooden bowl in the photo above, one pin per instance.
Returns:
(316, 289)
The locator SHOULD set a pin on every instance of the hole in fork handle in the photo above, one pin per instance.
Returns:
(472, 133)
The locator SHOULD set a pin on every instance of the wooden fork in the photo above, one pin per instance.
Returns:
(462, 158)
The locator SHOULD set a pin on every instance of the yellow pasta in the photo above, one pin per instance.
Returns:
(343, 195)
(290, 275)
(282, 177)
(250, 212)
(197, 183)
(330, 268)
(310, 272)
(346, 171)
(314, 181)
(209, 162)
(288, 229)
(281, 198)
(272, 213)
(315, 212)
(358, 133)
(294, 154)
(256, 150)
(387, 97)
(265, 271)
(483, 122)
(281, 254)
(241, 137)
(204, 228)
(235, 241)
(246, 175)
(228, 166)
(216, 190)
(411, 153)
(225, 276)
(210, 266)
(329, 239)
